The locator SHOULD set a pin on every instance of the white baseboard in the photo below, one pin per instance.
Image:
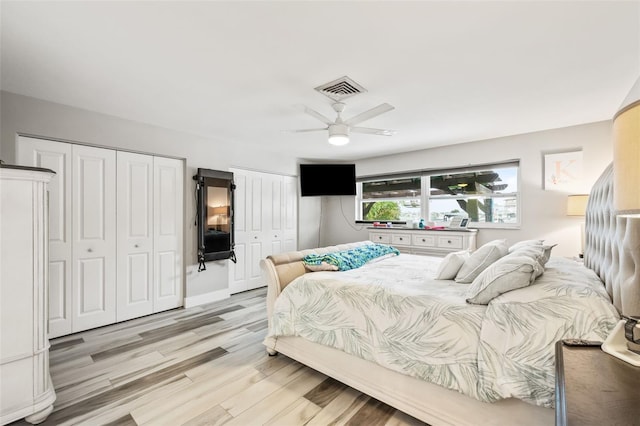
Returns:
(201, 299)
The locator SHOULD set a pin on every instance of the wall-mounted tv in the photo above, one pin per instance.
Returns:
(327, 179)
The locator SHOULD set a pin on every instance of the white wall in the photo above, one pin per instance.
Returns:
(542, 215)
(542, 212)
(309, 209)
(20, 114)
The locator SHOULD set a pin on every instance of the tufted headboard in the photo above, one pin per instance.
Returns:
(612, 246)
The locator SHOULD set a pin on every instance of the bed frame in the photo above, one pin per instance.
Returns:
(612, 250)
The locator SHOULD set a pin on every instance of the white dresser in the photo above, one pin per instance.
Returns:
(25, 383)
(426, 242)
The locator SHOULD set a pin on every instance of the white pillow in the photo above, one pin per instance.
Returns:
(525, 243)
(451, 264)
(323, 266)
(509, 273)
(480, 260)
(540, 252)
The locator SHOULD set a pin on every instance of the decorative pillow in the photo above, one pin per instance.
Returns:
(509, 273)
(350, 259)
(542, 252)
(451, 264)
(525, 243)
(480, 260)
(322, 266)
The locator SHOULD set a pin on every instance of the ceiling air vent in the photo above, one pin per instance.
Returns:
(340, 89)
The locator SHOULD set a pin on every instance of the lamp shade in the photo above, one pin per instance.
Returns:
(338, 134)
(577, 204)
(220, 210)
(626, 154)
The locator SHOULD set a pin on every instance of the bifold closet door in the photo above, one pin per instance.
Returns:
(135, 235)
(265, 212)
(94, 237)
(168, 202)
(55, 156)
(251, 214)
(281, 199)
(116, 233)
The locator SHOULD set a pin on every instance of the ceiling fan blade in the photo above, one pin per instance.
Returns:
(324, 129)
(317, 115)
(373, 112)
(370, 131)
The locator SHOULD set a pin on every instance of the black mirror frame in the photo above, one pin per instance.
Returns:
(201, 178)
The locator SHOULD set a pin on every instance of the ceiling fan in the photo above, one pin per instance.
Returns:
(339, 129)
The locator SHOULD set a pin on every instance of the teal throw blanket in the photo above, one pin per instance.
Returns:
(351, 259)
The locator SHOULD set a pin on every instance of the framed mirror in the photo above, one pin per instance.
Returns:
(215, 215)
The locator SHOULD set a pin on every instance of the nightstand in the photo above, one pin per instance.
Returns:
(595, 388)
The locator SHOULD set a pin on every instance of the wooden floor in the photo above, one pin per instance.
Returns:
(200, 366)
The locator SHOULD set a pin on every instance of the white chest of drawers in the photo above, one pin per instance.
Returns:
(425, 242)
(25, 383)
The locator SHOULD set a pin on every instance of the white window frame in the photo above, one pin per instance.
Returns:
(359, 200)
(425, 196)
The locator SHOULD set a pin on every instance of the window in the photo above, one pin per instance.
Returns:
(391, 199)
(487, 195)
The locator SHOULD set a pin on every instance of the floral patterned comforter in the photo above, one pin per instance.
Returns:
(394, 313)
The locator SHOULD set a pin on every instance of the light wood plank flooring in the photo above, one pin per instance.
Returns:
(200, 366)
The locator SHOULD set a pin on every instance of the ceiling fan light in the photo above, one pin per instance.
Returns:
(338, 140)
(338, 134)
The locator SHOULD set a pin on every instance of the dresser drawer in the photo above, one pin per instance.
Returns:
(450, 242)
(380, 237)
(428, 242)
(424, 240)
(401, 239)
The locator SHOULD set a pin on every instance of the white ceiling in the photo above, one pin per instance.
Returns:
(238, 72)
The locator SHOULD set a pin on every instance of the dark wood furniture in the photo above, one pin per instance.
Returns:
(595, 388)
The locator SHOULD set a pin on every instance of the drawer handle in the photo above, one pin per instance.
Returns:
(400, 238)
(424, 241)
(136, 246)
(90, 250)
(379, 237)
(448, 241)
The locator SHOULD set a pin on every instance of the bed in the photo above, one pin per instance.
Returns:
(498, 369)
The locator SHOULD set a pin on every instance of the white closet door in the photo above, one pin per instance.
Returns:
(168, 224)
(251, 215)
(242, 237)
(281, 211)
(259, 217)
(57, 157)
(94, 237)
(135, 235)
(265, 223)
(274, 200)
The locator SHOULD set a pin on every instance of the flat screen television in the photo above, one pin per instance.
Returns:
(327, 179)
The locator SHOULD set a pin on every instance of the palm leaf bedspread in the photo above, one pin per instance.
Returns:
(394, 313)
